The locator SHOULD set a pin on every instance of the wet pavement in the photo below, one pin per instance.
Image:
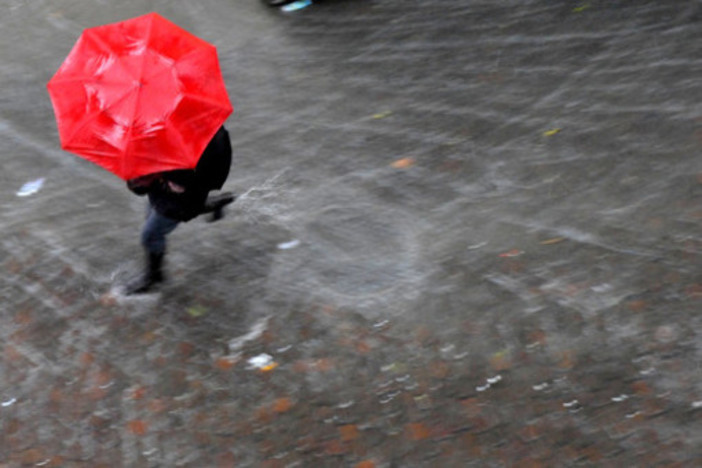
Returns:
(468, 235)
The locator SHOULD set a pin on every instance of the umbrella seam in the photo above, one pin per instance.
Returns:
(138, 97)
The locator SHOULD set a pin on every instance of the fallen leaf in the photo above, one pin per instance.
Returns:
(349, 432)
(641, 388)
(551, 132)
(403, 163)
(301, 366)
(538, 337)
(186, 349)
(365, 464)
(500, 360)
(512, 253)
(32, 456)
(281, 405)
(439, 369)
(264, 415)
(87, 358)
(334, 447)
(382, 115)
(555, 240)
(324, 365)
(197, 311)
(137, 427)
(362, 347)
(567, 360)
(225, 363)
(637, 306)
(417, 431)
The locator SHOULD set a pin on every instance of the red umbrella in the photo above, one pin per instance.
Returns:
(139, 96)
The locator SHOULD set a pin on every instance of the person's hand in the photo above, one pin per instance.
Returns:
(175, 188)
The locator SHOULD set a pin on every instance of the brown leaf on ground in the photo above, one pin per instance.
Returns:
(440, 369)
(138, 393)
(555, 240)
(500, 361)
(226, 460)
(334, 447)
(56, 395)
(12, 426)
(403, 163)
(32, 456)
(324, 364)
(225, 363)
(301, 366)
(263, 415)
(365, 464)
(417, 431)
(148, 337)
(186, 349)
(282, 405)
(349, 432)
(567, 360)
(537, 337)
(87, 358)
(694, 291)
(363, 347)
(636, 306)
(641, 388)
(137, 427)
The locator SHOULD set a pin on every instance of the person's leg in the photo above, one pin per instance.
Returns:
(153, 239)
(156, 228)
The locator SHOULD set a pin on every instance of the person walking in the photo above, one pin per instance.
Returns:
(178, 196)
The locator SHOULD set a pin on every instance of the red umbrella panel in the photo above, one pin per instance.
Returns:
(139, 96)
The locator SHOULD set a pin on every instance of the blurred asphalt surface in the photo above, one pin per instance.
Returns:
(468, 235)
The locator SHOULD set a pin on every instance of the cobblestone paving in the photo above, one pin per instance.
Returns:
(467, 235)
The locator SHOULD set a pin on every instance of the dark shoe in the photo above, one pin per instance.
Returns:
(215, 204)
(150, 278)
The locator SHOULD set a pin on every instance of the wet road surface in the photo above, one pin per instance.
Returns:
(467, 235)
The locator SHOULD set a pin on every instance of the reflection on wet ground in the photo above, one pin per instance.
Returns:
(467, 235)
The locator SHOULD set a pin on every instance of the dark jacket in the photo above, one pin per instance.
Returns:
(181, 194)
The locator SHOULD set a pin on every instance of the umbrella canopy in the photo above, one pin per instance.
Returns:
(139, 96)
(213, 168)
